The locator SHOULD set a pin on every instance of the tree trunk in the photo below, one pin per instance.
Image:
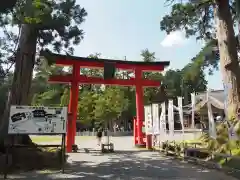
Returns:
(22, 78)
(229, 65)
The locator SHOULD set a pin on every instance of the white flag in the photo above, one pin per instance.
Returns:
(156, 123)
(148, 119)
(170, 117)
(180, 109)
(212, 126)
(163, 119)
(193, 100)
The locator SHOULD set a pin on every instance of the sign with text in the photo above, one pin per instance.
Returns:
(37, 120)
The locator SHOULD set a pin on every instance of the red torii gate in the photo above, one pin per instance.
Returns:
(75, 79)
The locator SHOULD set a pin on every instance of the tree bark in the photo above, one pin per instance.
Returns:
(22, 78)
(229, 65)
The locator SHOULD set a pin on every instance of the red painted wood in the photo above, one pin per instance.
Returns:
(139, 106)
(97, 80)
(118, 65)
(135, 131)
(72, 108)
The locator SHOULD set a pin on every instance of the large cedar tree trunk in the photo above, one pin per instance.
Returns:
(22, 78)
(229, 65)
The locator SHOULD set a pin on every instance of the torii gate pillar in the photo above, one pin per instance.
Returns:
(139, 107)
(73, 109)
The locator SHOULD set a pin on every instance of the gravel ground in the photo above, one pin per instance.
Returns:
(125, 164)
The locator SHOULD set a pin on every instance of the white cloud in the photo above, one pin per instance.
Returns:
(175, 38)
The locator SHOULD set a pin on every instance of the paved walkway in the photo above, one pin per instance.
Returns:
(127, 163)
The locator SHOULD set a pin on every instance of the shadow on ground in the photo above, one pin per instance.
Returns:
(135, 165)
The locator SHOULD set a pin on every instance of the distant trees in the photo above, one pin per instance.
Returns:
(111, 103)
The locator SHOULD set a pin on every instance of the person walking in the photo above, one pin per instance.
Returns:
(99, 135)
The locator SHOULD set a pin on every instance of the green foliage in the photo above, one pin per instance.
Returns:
(148, 56)
(56, 23)
(110, 104)
(65, 97)
(45, 93)
(86, 107)
(208, 57)
(196, 18)
(175, 82)
(183, 82)
(222, 144)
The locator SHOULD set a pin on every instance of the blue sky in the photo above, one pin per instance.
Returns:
(118, 28)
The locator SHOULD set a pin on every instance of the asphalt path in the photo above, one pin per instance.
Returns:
(127, 163)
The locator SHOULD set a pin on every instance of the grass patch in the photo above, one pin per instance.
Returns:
(39, 139)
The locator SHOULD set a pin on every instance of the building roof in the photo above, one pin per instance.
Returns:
(216, 99)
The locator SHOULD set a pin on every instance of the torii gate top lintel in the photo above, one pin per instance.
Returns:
(68, 60)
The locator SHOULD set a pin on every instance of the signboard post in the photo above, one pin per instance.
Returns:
(32, 120)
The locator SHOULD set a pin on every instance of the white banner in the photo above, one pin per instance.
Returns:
(156, 123)
(180, 109)
(212, 126)
(163, 119)
(170, 117)
(37, 120)
(148, 119)
(193, 100)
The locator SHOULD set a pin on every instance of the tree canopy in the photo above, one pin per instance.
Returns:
(57, 25)
(213, 22)
(27, 28)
